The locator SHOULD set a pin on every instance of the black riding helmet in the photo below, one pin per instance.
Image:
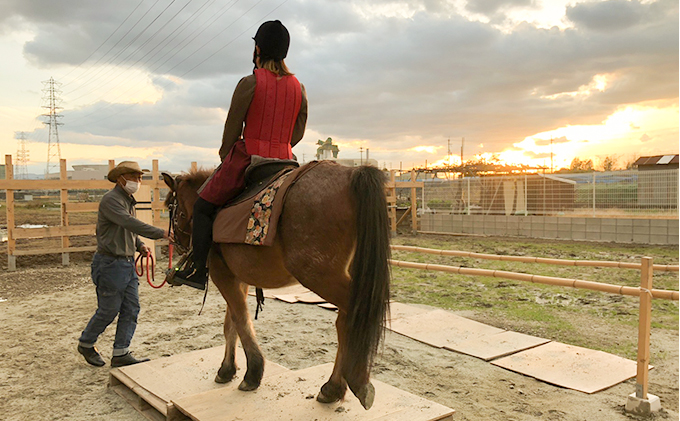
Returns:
(273, 39)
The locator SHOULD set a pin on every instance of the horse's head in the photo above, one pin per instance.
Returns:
(180, 202)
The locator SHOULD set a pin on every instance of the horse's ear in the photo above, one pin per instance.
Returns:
(170, 181)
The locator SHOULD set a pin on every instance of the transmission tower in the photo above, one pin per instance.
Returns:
(51, 97)
(22, 157)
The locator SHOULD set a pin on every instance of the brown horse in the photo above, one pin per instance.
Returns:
(333, 238)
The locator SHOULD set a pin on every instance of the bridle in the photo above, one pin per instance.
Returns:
(174, 226)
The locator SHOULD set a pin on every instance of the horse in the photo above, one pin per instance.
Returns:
(333, 238)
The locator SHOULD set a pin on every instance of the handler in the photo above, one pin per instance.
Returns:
(272, 104)
(113, 267)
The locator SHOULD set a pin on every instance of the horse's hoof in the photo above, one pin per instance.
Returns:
(247, 387)
(366, 395)
(225, 377)
(325, 399)
(331, 392)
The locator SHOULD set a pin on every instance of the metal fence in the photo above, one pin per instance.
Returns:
(615, 193)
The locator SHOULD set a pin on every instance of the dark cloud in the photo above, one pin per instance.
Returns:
(617, 15)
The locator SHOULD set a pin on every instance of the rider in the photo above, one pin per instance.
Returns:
(272, 105)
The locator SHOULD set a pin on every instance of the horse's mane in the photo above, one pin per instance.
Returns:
(196, 177)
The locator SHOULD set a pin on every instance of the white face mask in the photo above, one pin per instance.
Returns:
(131, 186)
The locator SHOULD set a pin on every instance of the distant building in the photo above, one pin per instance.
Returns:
(657, 162)
(654, 188)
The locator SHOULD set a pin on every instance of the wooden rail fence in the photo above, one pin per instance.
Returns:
(645, 291)
(149, 209)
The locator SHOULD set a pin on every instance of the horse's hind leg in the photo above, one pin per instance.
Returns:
(334, 288)
(336, 386)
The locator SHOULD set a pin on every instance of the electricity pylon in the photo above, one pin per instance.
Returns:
(22, 156)
(50, 96)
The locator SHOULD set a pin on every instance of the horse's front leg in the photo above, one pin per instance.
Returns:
(228, 368)
(240, 318)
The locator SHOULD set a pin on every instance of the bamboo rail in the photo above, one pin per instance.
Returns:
(539, 279)
(528, 259)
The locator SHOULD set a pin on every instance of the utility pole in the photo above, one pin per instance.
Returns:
(551, 155)
(448, 153)
(462, 146)
(361, 151)
(50, 95)
(22, 156)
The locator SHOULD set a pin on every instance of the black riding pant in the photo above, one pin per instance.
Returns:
(204, 215)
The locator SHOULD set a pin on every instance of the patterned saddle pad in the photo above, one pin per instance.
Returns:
(253, 220)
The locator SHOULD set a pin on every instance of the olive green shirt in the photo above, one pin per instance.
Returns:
(240, 102)
(118, 229)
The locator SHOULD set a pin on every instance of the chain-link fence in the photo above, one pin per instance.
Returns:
(615, 193)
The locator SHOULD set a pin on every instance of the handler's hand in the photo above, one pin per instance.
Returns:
(167, 235)
(145, 250)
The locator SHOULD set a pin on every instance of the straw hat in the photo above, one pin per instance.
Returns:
(125, 167)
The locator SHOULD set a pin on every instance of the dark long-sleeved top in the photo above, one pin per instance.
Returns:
(118, 229)
(238, 110)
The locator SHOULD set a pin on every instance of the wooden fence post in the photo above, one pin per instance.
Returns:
(642, 379)
(11, 242)
(194, 166)
(392, 202)
(65, 242)
(641, 402)
(414, 204)
(156, 199)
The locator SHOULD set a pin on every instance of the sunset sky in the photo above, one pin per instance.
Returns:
(153, 79)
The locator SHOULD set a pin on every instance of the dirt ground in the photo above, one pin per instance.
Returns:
(44, 307)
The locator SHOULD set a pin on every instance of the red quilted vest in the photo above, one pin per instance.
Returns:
(272, 114)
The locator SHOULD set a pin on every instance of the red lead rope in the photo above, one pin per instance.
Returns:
(150, 278)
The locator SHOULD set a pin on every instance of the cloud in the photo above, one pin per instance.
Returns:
(393, 75)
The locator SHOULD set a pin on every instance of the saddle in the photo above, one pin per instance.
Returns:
(260, 173)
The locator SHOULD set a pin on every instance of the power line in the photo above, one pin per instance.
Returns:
(175, 50)
(116, 44)
(182, 61)
(137, 50)
(105, 41)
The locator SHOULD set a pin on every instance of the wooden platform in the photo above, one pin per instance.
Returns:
(182, 388)
(152, 386)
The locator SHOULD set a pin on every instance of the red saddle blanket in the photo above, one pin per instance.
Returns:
(254, 220)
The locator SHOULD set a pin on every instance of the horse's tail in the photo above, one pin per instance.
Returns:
(370, 272)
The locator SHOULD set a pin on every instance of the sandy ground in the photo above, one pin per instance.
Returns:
(42, 377)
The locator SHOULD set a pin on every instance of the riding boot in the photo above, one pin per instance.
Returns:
(196, 274)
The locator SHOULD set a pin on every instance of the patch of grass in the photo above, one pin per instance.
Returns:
(578, 317)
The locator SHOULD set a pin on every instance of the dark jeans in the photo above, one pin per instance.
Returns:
(117, 295)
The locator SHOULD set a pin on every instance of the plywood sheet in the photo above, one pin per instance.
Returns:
(570, 366)
(295, 289)
(310, 298)
(497, 345)
(328, 306)
(291, 396)
(184, 374)
(441, 328)
(401, 310)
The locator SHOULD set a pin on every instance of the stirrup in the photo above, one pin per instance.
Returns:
(198, 284)
(183, 263)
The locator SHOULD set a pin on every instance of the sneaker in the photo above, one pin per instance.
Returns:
(191, 277)
(127, 359)
(91, 355)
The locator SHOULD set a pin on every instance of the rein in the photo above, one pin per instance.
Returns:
(150, 277)
(173, 223)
